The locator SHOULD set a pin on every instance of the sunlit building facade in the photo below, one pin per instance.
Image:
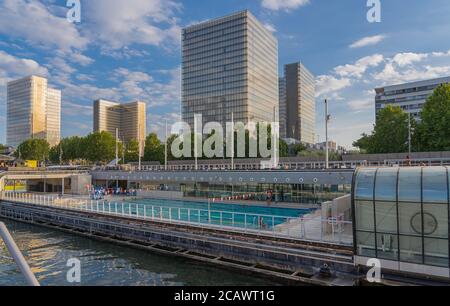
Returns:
(33, 111)
(230, 65)
(300, 106)
(129, 120)
(283, 111)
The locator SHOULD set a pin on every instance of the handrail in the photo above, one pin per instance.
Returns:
(17, 256)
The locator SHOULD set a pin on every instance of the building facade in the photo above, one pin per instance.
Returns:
(129, 120)
(411, 97)
(283, 112)
(300, 106)
(33, 111)
(230, 65)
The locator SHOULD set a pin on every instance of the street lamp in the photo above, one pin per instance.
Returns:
(327, 120)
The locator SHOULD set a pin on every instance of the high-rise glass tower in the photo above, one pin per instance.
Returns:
(33, 111)
(128, 119)
(300, 103)
(230, 65)
(282, 113)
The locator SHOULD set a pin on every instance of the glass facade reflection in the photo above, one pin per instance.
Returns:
(129, 119)
(402, 214)
(300, 103)
(33, 111)
(230, 65)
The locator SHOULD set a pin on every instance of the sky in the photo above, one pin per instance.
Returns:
(131, 50)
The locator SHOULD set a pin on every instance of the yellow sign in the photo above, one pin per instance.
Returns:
(32, 163)
(15, 185)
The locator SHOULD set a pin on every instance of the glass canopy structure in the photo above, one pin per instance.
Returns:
(402, 218)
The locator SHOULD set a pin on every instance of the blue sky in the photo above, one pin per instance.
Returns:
(128, 50)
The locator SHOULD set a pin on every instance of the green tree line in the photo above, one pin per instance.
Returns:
(100, 147)
(430, 134)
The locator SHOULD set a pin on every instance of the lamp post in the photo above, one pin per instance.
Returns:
(165, 150)
(327, 120)
(409, 134)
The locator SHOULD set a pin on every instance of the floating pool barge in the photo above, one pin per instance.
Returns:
(287, 260)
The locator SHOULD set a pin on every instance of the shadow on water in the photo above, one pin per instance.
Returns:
(47, 252)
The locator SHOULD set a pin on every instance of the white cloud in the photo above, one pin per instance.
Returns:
(359, 67)
(287, 5)
(32, 21)
(404, 59)
(326, 84)
(270, 27)
(358, 105)
(14, 67)
(368, 41)
(121, 23)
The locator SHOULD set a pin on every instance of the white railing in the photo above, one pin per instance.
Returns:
(17, 256)
(307, 228)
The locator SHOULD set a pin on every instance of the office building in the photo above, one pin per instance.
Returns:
(297, 102)
(33, 111)
(128, 119)
(230, 65)
(283, 112)
(411, 97)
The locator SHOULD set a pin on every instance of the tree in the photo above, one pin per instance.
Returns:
(434, 129)
(390, 133)
(154, 149)
(33, 149)
(69, 149)
(100, 147)
(297, 148)
(132, 151)
(364, 143)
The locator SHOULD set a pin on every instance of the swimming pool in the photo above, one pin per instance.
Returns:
(235, 215)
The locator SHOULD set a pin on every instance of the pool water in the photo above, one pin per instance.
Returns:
(241, 216)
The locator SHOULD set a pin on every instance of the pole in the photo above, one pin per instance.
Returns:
(123, 151)
(409, 134)
(117, 146)
(60, 154)
(327, 118)
(140, 147)
(232, 141)
(165, 152)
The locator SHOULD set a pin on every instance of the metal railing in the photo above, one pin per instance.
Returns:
(308, 228)
(17, 256)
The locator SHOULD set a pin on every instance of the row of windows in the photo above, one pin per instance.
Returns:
(214, 25)
(213, 61)
(226, 47)
(229, 70)
(221, 42)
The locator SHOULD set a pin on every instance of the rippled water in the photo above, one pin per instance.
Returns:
(47, 252)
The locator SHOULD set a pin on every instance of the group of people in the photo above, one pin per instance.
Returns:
(99, 193)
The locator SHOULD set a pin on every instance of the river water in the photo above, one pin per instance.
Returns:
(48, 252)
